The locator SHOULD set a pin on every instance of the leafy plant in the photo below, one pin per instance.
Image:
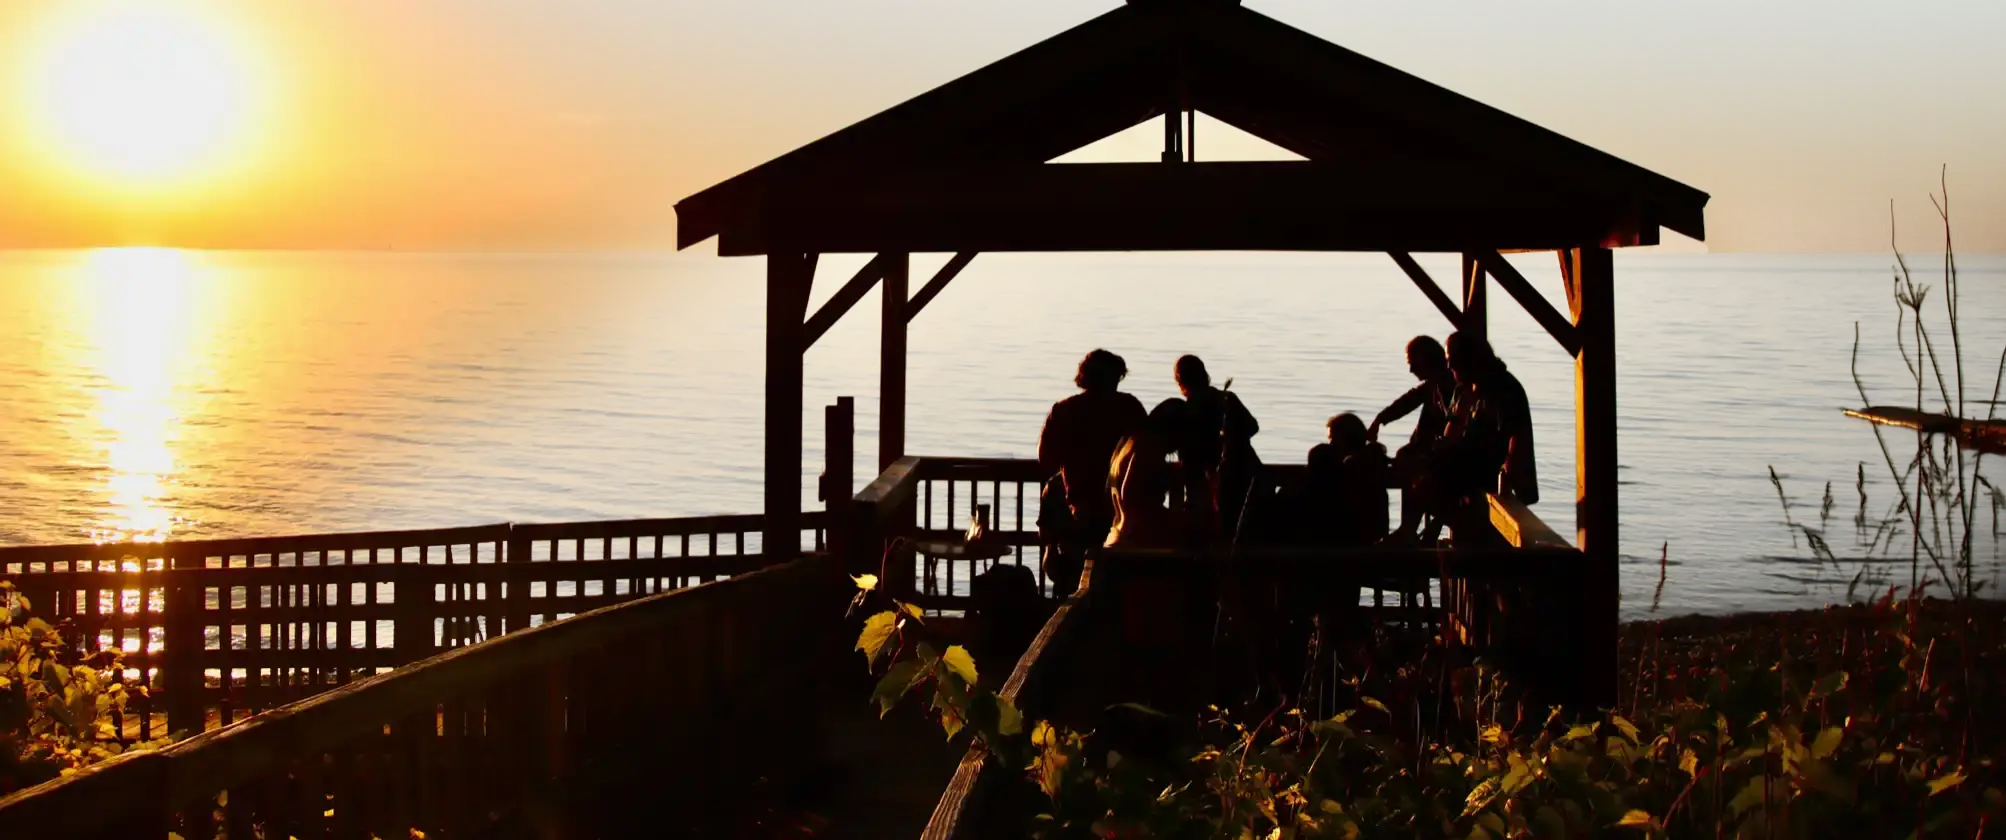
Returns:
(1863, 721)
(58, 706)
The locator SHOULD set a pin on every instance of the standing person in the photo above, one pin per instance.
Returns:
(1437, 388)
(1486, 446)
(1078, 439)
(1138, 482)
(1216, 451)
(1502, 398)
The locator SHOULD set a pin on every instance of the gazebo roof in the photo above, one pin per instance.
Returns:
(1393, 162)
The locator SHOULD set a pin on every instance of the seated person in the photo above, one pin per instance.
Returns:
(1361, 480)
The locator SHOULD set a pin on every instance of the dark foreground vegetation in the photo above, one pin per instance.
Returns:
(1873, 720)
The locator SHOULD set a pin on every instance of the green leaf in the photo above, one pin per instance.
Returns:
(1492, 823)
(1827, 742)
(897, 681)
(1828, 684)
(1635, 817)
(960, 663)
(1009, 720)
(912, 610)
(865, 582)
(1689, 761)
(1376, 705)
(877, 631)
(1945, 782)
(1628, 729)
(1477, 832)
(1750, 796)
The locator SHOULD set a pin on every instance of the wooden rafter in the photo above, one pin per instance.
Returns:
(1557, 325)
(940, 280)
(1428, 287)
(838, 304)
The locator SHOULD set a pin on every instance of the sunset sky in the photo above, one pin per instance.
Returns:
(538, 124)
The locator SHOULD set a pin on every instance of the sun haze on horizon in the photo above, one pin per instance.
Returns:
(467, 124)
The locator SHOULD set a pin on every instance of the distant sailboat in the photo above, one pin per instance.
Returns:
(1987, 436)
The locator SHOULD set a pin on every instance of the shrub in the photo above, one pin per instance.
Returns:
(58, 706)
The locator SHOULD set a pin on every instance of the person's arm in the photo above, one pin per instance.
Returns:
(1050, 455)
(1402, 406)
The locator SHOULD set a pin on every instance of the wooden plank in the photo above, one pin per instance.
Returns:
(1428, 287)
(838, 304)
(789, 278)
(1514, 283)
(941, 278)
(892, 362)
(1267, 205)
(1596, 485)
(1520, 526)
(1476, 299)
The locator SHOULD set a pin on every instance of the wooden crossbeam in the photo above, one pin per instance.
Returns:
(1557, 325)
(834, 308)
(1428, 287)
(940, 280)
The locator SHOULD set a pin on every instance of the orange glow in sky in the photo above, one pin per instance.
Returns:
(488, 125)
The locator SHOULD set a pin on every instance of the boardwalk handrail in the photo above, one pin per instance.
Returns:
(976, 780)
(136, 793)
(224, 628)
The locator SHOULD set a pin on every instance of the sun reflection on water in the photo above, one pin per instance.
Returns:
(139, 303)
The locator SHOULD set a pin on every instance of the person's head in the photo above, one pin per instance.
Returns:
(1163, 420)
(1324, 459)
(1347, 432)
(1191, 375)
(1100, 371)
(1470, 357)
(1425, 357)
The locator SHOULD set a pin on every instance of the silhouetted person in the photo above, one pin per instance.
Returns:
(1138, 482)
(1502, 401)
(1485, 447)
(1079, 437)
(1362, 469)
(1437, 388)
(1216, 451)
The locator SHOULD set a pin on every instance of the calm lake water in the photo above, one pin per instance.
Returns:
(197, 394)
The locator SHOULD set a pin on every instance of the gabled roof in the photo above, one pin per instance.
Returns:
(1393, 162)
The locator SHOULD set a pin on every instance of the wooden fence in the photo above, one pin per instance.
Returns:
(222, 629)
(679, 700)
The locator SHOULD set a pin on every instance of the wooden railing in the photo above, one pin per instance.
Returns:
(934, 498)
(219, 630)
(677, 700)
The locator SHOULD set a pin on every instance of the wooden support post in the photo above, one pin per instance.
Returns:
(788, 279)
(1592, 272)
(1427, 286)
(1476, 307)
(182, 608)
(839, 423)
(892, 361)
(515, 609)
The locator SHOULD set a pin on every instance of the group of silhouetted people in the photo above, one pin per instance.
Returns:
(1112, 482)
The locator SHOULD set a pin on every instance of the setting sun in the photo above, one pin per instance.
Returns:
(143, 95)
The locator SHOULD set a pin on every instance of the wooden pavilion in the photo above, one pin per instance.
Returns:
(1392, 163)
(515, 701)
